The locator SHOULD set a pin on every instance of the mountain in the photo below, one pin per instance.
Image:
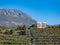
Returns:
(13, 18)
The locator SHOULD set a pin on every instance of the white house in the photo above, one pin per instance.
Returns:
(41, 24)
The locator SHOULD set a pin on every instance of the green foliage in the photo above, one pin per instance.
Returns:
(8, 31)
(19, 27)
(44, 36)
(11, 31)
(33, 25)
(24, 27)
(14, 40)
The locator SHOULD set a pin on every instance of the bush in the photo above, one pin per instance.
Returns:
(19, 27)
(9, 31)
(24, 27)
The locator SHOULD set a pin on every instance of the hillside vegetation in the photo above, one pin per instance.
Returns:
(20, 36)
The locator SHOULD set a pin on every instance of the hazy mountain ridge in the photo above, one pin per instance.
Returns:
(13, 17)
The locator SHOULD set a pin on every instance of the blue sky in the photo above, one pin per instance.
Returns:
(40, 10)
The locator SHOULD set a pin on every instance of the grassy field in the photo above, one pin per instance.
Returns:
(13, 40)
(46, 36)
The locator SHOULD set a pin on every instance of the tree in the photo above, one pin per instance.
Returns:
(33, 25)
(11, 31)
(6, 32)
(24, 27)
(19, 27)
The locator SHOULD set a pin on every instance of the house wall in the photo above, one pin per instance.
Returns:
(41, 24)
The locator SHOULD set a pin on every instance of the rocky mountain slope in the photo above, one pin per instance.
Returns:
(13, 18)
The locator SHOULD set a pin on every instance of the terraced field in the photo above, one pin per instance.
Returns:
(48, 36)
(34, 36)
(13, 40)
